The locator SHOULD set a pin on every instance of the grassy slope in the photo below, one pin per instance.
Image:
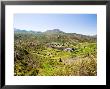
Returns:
(33, 56)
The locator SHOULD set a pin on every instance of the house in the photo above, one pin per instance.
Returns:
(69, 49)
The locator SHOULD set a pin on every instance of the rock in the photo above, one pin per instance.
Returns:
(60, 60)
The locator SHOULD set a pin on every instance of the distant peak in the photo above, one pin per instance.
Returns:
(57, 30)
(54, 31)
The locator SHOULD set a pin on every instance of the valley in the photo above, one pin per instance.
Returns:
(54, 53)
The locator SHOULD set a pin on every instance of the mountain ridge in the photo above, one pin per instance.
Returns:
(53, 31)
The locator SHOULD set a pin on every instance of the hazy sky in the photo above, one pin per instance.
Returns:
(71, 23)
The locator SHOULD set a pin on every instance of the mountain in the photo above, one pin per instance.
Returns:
(58, 36)
(18, 30)
(54, 31)
(54, 53)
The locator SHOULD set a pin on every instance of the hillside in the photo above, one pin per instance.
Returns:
(54, 53)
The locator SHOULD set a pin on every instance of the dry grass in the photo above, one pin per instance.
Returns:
(79, 67)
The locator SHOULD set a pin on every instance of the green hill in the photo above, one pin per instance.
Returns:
(54, 53)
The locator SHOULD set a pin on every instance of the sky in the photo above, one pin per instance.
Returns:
(85, 24)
